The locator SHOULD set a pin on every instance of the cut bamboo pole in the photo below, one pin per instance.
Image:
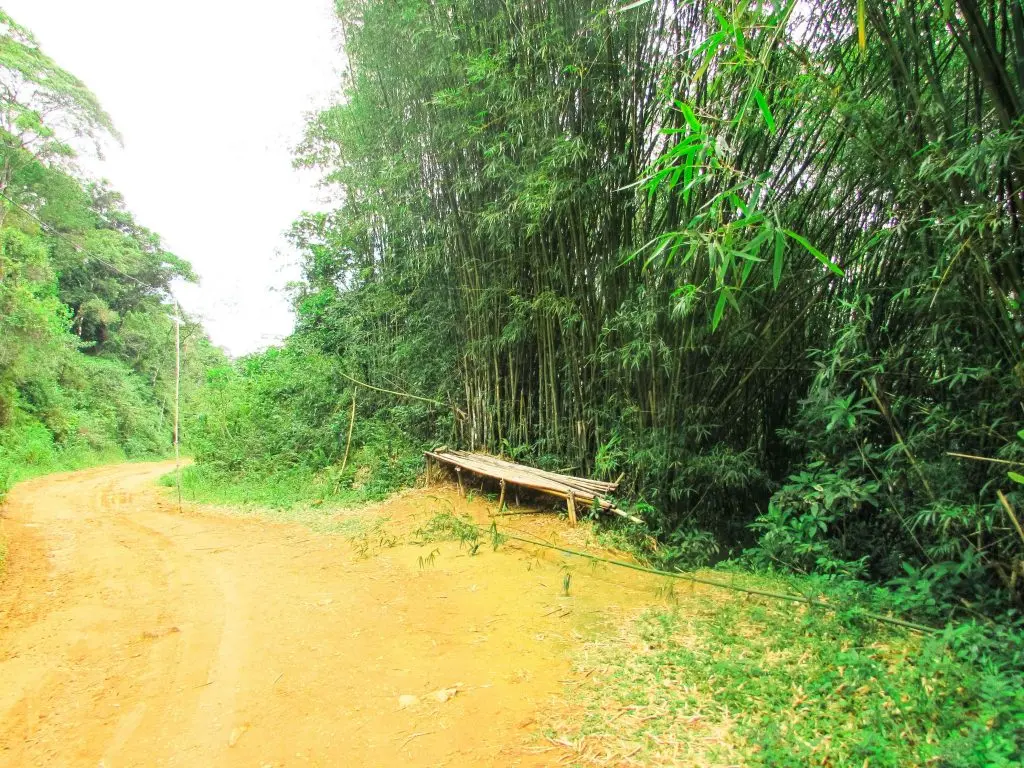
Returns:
(581, 482)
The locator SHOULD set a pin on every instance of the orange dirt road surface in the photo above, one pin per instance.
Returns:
(135, 635)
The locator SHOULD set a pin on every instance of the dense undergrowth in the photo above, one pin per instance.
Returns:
(87, 353)
(295, 407)
(763, 259)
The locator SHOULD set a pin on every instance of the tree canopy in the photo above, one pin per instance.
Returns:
(86, 326)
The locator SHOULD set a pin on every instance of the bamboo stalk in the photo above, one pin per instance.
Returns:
(721, 585)
(1009, 511)
(351, 424)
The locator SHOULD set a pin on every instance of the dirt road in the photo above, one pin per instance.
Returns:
(132, 634)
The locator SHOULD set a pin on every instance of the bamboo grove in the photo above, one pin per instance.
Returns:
(761, 257)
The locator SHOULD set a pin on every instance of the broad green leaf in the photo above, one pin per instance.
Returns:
(1016, 477)
(691, 118)
(748, 266)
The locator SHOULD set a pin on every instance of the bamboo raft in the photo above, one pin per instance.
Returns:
(572, 489)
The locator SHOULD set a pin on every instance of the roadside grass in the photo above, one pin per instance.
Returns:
(315, 500)
(270, 503)
(744, 681)
(326, 501)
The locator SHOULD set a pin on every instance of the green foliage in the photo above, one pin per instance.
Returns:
(272, 430)
(28, 448)
(686, 549)
(807, 523)
(44, 107)
(87, 349)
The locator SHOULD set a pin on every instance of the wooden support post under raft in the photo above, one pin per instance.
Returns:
(501, 498)
(458, 475)
(570, 501)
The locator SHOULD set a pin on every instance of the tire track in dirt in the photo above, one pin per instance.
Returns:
(132, 634)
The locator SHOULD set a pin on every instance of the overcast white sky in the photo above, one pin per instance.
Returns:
(209, 96)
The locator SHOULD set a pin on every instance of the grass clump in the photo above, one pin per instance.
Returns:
(373, 538)
(447, 526)
(754, 683)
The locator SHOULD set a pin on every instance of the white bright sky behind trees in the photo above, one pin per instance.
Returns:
(209, 96)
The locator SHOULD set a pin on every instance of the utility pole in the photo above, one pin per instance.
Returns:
(177, 396)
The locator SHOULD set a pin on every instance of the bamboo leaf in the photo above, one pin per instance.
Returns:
(716, 318)
(835, 268)
(780, 249)
(748, 256)
(740, 205)
(691, 118)
(747, 269)
(665, 241)
(765, 112)
(631, 6)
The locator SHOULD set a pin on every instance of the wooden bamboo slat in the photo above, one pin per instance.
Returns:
(599, 486)
(572, 489)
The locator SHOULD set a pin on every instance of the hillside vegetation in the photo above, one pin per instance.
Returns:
(87, 349)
